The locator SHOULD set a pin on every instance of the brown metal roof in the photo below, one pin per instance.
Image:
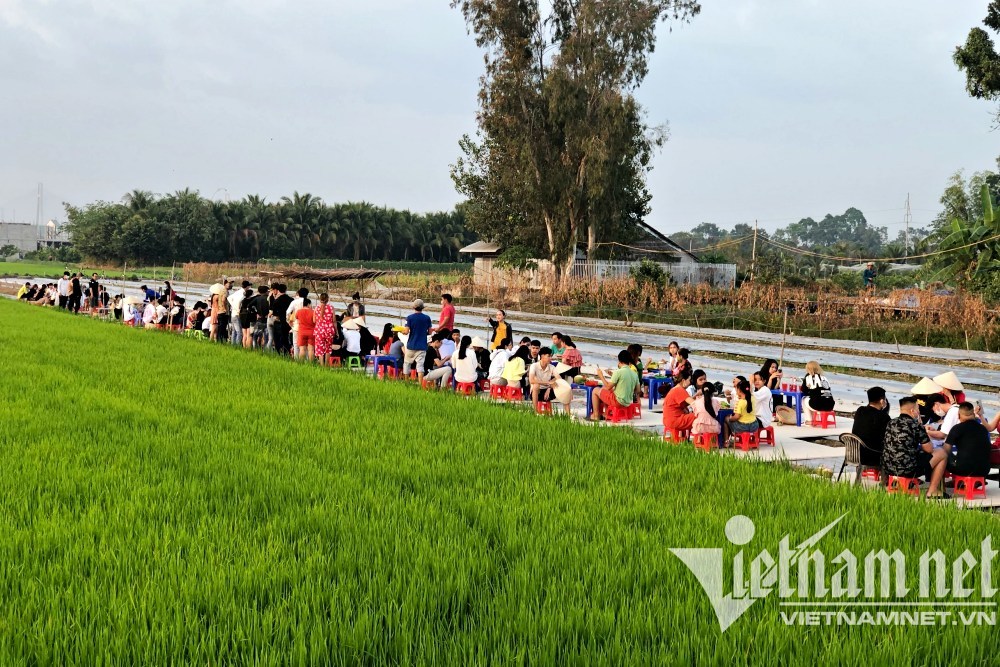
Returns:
(325, 274)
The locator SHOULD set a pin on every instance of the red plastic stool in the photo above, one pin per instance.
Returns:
(872, 474)
(617, 413)
(824, 419)
(636, 410)
(706, 441)
(513, 393)
(908, 485)
(485, 385)
(765, 436)
(467, 388)
(670, 436)
(497, 392)
(971, 487)
(746, 441)
(543, 408)
(413, 374)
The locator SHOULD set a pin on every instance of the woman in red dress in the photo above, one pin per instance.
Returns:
(326, 328)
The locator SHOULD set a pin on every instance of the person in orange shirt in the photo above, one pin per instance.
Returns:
(677, 416)
(306, 318)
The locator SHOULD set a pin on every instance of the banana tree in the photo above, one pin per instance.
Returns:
(969, 248)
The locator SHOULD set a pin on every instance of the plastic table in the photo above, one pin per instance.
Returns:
(589, 388)
(654, 382)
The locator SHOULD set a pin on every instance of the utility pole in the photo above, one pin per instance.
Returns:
(39, 213)
(753, 252)
(907, 218)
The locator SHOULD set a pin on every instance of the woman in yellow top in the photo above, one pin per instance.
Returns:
(744, 418)
(515, 369)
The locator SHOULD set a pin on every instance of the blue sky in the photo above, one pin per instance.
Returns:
(778, 109)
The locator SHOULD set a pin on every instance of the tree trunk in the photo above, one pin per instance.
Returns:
(591, 240)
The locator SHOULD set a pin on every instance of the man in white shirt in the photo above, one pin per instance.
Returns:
(948, 415)
(63, 288)
(235, 299)
(763, 401)
(149, 315)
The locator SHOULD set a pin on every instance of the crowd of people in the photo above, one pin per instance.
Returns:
(937, 430)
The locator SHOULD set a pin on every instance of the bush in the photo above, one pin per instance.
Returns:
(849, 281)
(648, 272)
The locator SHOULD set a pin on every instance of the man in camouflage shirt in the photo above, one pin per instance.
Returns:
(908, 451)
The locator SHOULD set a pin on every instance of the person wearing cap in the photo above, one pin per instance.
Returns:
(436, 371)
(352, 338)
(482, 356)
(417, 327)
(870, 422)
(619, 390)
(907, 450)
(235, 302)
(869, 276)
(542, 378)
(923, 391)
(501, 329)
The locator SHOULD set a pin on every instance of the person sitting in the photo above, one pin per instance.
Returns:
(763, 401)
(744, 417)
(449, 343)
(162, 314)
(698, 379)
(817, 396)
(149, 317)
(479, 347)
(465, 362)
(667, 365)
(907, 450)
(352, 339)
(681, 362)
(968, 445)
(22, 293)
(558, 346)
(392, 351)
(177, 312)
(677, 415)
(437, 372)
(945, 418)
(706, 411)
(498, 359)
(572, 358)
(541, 378)
(534, 347)
(772, 375)
(870, 422)
(515, 369)
(387, 338)
(619, 390)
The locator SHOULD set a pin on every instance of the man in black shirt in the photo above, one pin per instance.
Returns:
(279, 309)
(75, 293)
(970, 445)
(95, 294)
(870, 422)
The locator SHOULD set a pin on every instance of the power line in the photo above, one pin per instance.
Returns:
(837, 258)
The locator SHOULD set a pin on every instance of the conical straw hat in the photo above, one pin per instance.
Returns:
(949, 381)
(926, 387)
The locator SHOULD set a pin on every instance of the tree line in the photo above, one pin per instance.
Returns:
(184, 226)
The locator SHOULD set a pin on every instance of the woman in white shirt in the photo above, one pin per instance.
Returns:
(465, 363)
(498, 359)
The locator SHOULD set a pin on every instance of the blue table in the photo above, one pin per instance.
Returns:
(376, 359)
(796, 397)
(654, 382)
(590, 395)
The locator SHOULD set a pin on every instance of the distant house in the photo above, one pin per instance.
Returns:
(682, 265)
(27, 237)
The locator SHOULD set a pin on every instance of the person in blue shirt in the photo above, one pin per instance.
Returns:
(418, 325)
(149, 294)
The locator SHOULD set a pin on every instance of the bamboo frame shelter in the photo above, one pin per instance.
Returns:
(314, 276)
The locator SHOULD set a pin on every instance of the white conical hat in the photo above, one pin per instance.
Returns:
(926, 387)
(217, 288)
(949, 381)
(563, 391)
(562, 368)
(350, 325)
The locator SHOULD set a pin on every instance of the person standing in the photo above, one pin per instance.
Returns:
(75, 293)
(418, 324)
(235, 304)
(305, 317)
(501, 329)
(326, 327)
(446, 321)
(95, 295)
(355, 308)
(869, 277)
(279, 308)
(63, 286)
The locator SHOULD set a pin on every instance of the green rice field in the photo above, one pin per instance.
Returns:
(169, 501)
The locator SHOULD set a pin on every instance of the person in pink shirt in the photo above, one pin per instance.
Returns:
(446, 321)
